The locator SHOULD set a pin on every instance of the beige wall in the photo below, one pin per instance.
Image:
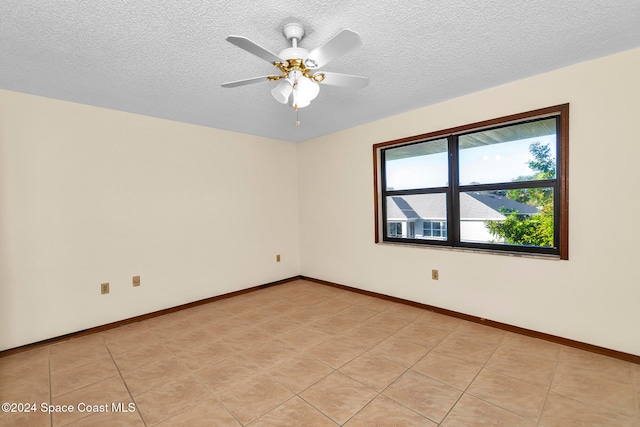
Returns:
(89, 195)
(594, 297)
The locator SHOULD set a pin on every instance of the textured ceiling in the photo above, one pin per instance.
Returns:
(168, 58)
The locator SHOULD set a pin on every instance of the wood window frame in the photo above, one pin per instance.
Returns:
(561, 208)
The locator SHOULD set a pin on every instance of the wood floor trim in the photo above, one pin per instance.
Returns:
(628, 357)
(503, 326)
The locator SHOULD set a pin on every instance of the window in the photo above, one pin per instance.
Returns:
(395, 229)
(497, 185)
(437, 229)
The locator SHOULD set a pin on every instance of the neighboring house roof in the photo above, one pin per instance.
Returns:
(473, 206)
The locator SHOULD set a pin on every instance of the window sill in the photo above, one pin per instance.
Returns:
(472, 250)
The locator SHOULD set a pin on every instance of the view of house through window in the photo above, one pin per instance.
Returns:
(496, 186)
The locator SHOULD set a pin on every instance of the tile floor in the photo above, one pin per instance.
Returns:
(305, 354)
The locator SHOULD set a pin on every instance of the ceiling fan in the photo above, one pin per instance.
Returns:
(299, 81)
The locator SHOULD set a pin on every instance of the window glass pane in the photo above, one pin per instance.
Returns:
(522, 217)
(423, 165)
(422, 216)
(522, 152)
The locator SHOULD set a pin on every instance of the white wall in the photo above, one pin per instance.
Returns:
(594, 297)
(90, 195)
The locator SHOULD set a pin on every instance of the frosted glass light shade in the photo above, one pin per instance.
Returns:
(282, 91)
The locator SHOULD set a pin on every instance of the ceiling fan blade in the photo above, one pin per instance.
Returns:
(252, 47)
(245, 81)
(344, 80)
(343, 42)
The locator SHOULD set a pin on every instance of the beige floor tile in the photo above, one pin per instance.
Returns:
(331, 346)
(294, 412)
(304, 337)
(76, 352)
(375, 304)
(419, 333)
(447, 369)
(226, 373)
(479, 332)
(387, 322)
(153, 375)
(532, 346)
(590, 387)
(373, 371)
(269, 353)
(299, 372)
(141, 356)
(589, 363)
(256, 317)
(309, 299)
(254, 397)
(405, 311)
(513, 395)
(399, 351)
(198, 357)
(473, 412)
(335, 352)
(279, 325)
(468, 349)
(111, 419)
(364, 336)
(562, 411)
(105, 392)
(246, 338)
(525, 366)
(207, 413)
(350, 297)
(129, 337)
(307, 315)
(285, 307)
(219, 329)
(171, 325)
(426, 396)
(170, 399)
(188, 339)
(332, 305)
(22, 419)
(357, 313)
(24, 360)
(65, 381)
(24, 374)
(385, 412)
(438, 321)
(334, 323)
(338, 396)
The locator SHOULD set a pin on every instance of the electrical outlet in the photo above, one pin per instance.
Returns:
(278, 258)
(136, 280)
(104, 288)
(435, 275)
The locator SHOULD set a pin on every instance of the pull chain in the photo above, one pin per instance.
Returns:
(295, 107)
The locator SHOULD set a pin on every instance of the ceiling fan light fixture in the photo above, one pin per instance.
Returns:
(282, 91)
(308, 88)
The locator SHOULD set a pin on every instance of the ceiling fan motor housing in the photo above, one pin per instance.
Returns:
(293, 31)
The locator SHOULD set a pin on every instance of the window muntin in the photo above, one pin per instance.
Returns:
(505, 187)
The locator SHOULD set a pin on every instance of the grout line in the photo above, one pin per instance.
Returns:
(50, 392)
(125, 384)
(546, 398)
(474, 378)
